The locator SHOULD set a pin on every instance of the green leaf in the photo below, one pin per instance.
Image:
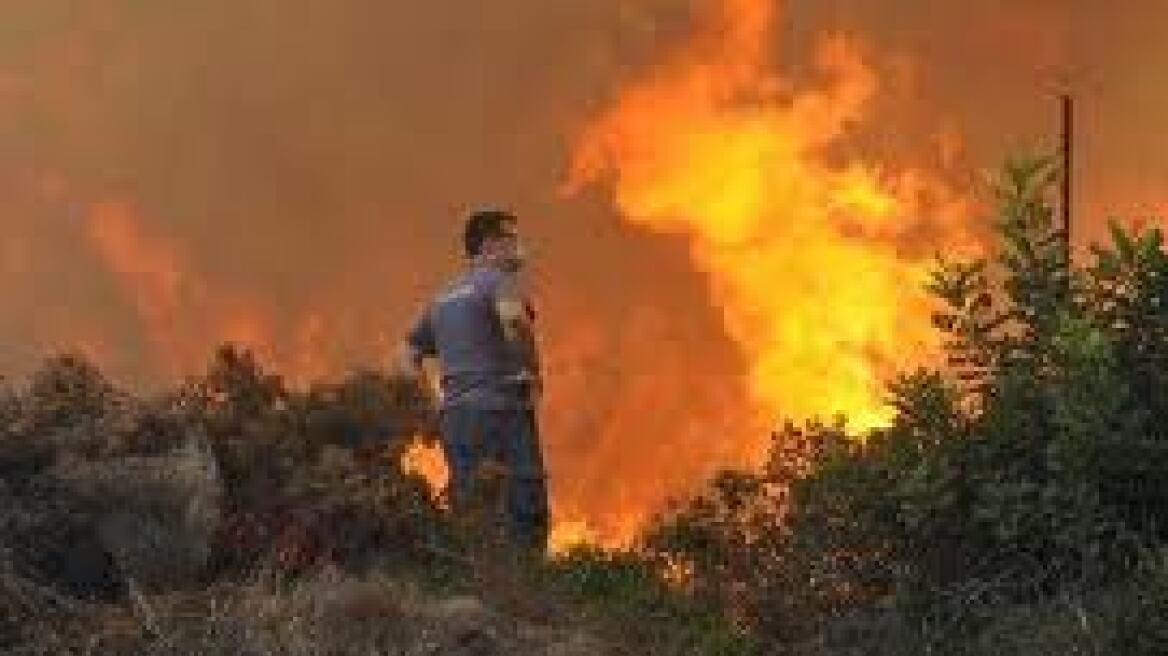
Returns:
(1123, 242)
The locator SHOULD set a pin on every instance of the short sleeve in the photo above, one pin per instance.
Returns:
(421, 337)
(504, 286)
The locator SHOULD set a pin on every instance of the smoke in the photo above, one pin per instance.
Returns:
(990, 71)
(293, 174)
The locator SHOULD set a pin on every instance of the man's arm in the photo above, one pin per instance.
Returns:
(418, 345)
(518, 323)
(408, 360)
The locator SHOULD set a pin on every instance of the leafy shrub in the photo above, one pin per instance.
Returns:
(1030, 468)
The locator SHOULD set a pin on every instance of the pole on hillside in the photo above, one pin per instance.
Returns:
(1067, 177)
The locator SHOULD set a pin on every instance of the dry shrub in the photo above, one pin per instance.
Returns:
(236, 515)
(332, 613)
(155, 515)
(35, 618)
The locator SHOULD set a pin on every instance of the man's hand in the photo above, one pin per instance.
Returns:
(511, 307)
(409, 365)
(531, 381)
(408, 361)
(517, 319)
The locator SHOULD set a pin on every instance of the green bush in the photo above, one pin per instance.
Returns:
(1030, 468)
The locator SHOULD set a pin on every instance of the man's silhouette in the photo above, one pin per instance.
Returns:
(480, 330)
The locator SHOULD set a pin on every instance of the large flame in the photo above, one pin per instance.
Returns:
(807, 251)
(151, 159)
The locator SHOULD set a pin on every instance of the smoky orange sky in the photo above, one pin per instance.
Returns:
(293, 174)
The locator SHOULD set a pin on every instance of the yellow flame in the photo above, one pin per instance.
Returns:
(569, 534)
(804, 251)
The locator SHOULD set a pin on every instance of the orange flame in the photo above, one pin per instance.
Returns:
(427, 460)
(808, 255)
(148, 269)
(184, 317)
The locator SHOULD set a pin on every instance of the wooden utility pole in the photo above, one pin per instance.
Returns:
(1068, 152)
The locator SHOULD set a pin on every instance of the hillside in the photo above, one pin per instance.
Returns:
(1016, 504)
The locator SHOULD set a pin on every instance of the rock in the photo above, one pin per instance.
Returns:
(156, 516)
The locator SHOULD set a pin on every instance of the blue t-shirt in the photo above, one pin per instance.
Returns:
(461, 328)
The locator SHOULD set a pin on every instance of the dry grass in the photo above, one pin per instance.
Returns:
(330, 613)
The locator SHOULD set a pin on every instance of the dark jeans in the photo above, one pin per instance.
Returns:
(473, 436)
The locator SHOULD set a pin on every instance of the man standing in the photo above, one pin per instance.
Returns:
(480, 329)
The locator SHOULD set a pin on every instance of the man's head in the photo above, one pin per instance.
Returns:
(491, 238)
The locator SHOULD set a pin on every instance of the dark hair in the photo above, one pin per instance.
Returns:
(483, 225)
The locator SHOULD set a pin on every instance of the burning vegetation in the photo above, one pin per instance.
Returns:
(815, 260)
(993, 483)
(797, 290)
(1013, 504)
